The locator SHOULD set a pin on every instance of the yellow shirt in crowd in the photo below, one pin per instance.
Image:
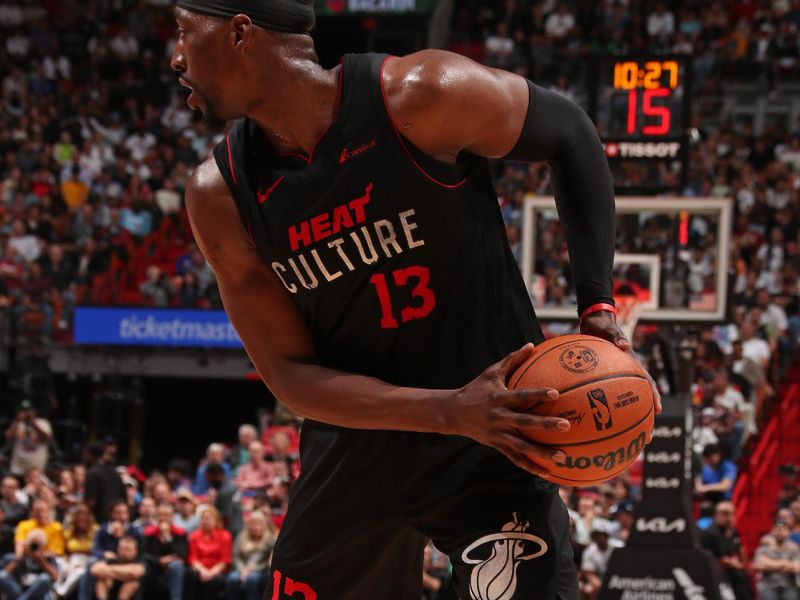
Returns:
(82, 545)
(52, 531)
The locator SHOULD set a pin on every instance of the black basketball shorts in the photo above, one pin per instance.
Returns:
(366, 502)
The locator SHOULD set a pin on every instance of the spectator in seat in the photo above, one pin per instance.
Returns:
(178, 474)
(79, 536)
(52, 531)
(560, 23)
(164, 550)
(282, 451)
(435, 575)
(717, 476)
(226, 498)
(778, 561)
(6, 535)
(68, 492)
(119, 578)
(203, 272)
(623, 516)
(586, 518)
(106, 544)
(214, 455)
(157, 289)
(499, 47)
(256, 474)
(29, 436)
(594, 560)
(252, 551)
(240, 454)
(722, 540)
(189, 295)
(661, 22)
(147, 514)
(186, 518)
(209, 558)
(103, 485)
(30, 575)
(12, 508)
(739, 412)
(753, 347)
(117, 527)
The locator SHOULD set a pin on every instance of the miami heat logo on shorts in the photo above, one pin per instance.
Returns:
(578, 359)
(495, 577)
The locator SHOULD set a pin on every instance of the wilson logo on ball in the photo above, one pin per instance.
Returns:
(578, 359)
(609, 460)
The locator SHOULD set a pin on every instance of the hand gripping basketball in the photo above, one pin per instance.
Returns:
(490, 413)
(604, 325)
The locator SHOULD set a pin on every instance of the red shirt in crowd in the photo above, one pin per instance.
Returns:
(210, 548)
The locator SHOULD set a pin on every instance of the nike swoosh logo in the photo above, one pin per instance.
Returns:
(264, 196)
(343, 156)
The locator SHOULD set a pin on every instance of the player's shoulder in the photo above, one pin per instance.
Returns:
(206, 181)
(429, 71)
(415, 79)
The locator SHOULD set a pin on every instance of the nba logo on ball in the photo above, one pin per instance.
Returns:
(600, 411)
(578, 359)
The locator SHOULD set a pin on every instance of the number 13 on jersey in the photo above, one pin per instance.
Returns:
(422, 300)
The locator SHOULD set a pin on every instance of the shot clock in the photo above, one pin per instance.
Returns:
(641, 106)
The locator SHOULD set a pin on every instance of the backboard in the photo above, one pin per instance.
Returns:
(672, 253)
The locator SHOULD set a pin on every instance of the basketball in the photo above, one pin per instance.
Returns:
(605, 395)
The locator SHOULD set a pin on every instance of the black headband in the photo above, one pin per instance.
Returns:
(295, 16)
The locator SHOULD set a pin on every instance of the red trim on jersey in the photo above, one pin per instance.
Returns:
(310, 156)
(403, 144)
(230, 159)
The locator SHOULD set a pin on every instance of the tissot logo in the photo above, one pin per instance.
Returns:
(642, 149)
(662, 483)
(660, 525)
(664, 458)
(667, 432)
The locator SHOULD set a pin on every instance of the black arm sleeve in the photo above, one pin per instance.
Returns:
(561, 133)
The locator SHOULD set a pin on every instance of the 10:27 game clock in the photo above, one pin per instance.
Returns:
(641, 106)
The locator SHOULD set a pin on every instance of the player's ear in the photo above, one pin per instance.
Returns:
(242, 30)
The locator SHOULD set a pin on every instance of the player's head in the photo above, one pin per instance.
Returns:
(223, 44)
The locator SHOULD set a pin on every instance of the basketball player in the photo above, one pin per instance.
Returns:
(360, 252)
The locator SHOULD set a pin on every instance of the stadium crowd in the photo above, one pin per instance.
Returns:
(96, 146)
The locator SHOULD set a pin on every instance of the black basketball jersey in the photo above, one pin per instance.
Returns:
(399, 264)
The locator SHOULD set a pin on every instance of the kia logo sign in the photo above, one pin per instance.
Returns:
(662, 483)
(664, 458)
(667, 432)
(660, 525)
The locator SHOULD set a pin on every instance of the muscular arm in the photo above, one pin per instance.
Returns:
(281, 347)
(445, 104)
(129, 572)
